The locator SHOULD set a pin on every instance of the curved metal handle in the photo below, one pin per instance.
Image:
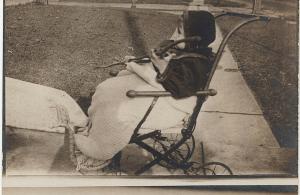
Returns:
(243, 15)
(158, 52)
(223, 44)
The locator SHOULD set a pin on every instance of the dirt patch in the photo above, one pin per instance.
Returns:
(59, 46)
(267, 55)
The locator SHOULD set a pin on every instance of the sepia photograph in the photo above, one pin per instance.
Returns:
(151, 88)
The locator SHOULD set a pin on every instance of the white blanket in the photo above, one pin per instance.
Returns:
(114, 116)
(33, 106)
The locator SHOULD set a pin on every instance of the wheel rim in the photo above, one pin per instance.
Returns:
(216, 168)
(211, 168)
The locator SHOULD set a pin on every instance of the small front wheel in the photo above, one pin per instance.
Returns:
(210, 168)
(216, 168)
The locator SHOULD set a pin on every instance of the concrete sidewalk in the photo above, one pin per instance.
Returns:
(230, 125)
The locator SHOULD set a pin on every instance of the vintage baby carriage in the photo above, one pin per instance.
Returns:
(174, 150)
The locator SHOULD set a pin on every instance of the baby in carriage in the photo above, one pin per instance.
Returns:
(182, 70)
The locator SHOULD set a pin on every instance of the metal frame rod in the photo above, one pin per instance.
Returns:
(243, 15)
(223, 44)
(223, 13)
(159, 156)
(139, 138)
(159, 52)
(202, 156)
(136, 130)
(133, 93)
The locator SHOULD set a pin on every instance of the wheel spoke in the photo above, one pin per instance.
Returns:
(224, 170)
(182, 153)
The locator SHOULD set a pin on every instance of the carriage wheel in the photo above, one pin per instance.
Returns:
(210, 168)
(216, 168)
(182, 154)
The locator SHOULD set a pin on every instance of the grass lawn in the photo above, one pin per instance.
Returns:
(59, 46)
(267, 55)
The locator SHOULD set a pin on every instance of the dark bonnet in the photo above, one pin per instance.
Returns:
(199, 23)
